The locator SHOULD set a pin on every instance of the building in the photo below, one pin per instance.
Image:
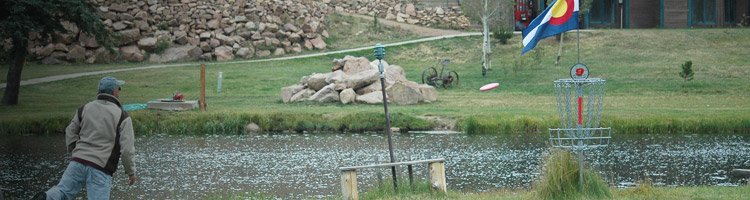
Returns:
(662, 13)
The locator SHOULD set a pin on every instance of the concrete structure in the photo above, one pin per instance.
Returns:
(168, 104)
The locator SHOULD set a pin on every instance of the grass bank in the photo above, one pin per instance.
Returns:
(560, 180)
(640, 192)
(644, 93)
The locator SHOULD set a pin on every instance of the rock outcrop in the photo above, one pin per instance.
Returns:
(359, 83)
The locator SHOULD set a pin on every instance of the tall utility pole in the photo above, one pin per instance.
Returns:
(380, 54)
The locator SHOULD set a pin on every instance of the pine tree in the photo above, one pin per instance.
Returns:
(687, 72)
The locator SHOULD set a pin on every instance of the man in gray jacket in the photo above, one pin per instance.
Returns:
(100, 133)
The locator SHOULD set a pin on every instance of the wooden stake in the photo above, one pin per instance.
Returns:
(203, 87)
(559, 52)
(437, 176)
(349, 185)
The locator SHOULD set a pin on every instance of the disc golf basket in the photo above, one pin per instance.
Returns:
(431, 77)
(579, 103)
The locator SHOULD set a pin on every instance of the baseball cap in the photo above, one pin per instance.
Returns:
(109, 84)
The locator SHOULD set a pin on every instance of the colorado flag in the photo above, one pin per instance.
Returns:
(560, 17)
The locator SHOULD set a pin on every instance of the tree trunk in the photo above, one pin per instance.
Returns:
(14, 72)
(486, 47)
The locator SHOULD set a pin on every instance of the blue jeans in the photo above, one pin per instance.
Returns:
(98, 184)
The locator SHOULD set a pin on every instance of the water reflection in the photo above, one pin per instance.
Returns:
(297, 166)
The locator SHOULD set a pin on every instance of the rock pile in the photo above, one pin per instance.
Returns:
(358, 82)
(411, 12)
(184, 30)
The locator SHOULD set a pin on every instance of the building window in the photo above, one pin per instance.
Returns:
(704, 11)
(602, 12)
(730, 11)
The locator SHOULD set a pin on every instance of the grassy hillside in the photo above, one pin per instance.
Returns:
(643, 94)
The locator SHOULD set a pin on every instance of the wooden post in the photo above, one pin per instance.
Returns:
(203, 87)
(349, 185)
(411, 176)
(437, 176)
(559, 51)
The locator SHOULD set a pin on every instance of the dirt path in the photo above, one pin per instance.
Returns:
(419, 30)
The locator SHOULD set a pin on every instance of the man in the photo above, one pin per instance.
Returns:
(100, 132)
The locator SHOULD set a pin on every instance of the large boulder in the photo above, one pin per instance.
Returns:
(131, 53)
(402, 94)
(370, 88)
(288, 92)
(76, 53)
(395, 73)
(47, 50)
(178, 54)
(290, 27)
(294, 37)
(315, 81)
(326, 94)
(302, 95)
(148, 44)
(356, 65)
(214, 24)
(410, 10)
(252, 129)
(223, 53)
(244, 52)
(335, 77)
(104, 56)
(87, 41)
(180, 37)
(429, 93)
(371, 98)
(263, 53)
(318, 43)
(362, 79)
(130, 35)
(347, 96)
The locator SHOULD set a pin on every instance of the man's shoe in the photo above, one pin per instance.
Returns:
(40, 196)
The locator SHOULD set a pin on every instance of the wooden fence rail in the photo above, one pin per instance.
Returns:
(436, 167)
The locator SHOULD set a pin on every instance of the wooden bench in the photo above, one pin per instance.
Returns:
(436, 168)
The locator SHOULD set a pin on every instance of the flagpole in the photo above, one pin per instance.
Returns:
(578, 32)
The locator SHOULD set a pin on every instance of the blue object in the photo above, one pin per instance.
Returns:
(379, 51)
(558, 18)
(131, 107)
(380, 54)
(76, 176)
(109, 84)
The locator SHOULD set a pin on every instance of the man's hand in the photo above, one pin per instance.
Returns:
(132, 180)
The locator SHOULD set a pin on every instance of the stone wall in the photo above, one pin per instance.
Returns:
(188, 29)
(408, 11)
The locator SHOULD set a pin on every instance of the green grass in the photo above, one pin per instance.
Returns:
(644, 192)
(420, 190)
(643, 94)
(560, 179)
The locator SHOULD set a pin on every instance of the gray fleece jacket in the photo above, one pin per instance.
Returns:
(100, 133)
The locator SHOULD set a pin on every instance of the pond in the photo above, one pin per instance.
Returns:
(305, 165)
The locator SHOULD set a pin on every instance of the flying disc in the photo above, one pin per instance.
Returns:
(489, 86)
